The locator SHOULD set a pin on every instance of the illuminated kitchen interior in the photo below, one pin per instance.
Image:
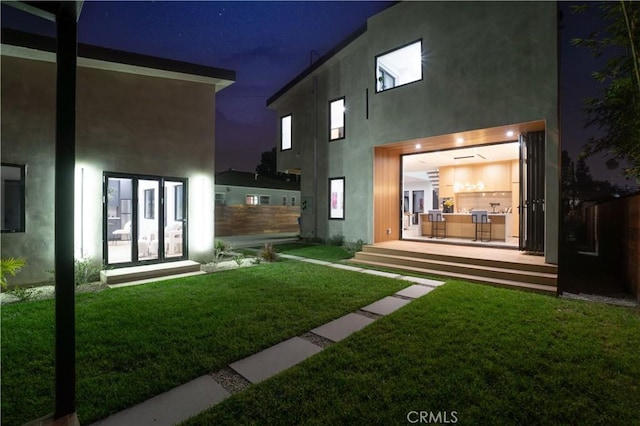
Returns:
(461, 185)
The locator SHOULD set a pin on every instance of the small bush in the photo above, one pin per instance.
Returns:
(10, 266)
(354, 246)
(256, 260)
(268, 253)
(336, 240)
(238, 259)
(22, 293)
(86, 271)
(221, 249)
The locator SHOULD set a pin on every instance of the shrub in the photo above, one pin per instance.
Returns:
(86, 271)
(22, 293)
(354, 246)
(268, 253)
(221, 249)
(238, 259)
(10, 266)
(336, 240)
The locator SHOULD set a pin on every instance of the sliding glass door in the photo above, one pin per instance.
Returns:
(144, 219)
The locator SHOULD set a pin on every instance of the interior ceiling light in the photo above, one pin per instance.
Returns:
(418, 146)
(460, 140)
(510, 133)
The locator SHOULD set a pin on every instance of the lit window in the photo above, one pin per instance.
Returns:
(251, 200)
(399, 67)
(285, 135)
(265, 199)
(220, 197)
(12, 198)
(336, 198)
(336, 114)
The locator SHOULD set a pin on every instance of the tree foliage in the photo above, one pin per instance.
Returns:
(617, 112)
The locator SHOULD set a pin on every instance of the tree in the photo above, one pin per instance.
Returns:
(617, 112)
(268, 166)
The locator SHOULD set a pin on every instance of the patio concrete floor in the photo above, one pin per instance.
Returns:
(185, 401)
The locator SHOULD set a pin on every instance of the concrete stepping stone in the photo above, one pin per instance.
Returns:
(171, 407)
(342, 327)
(381, 273)
(414, 291)
(275, 359)
(423, 281)
(386, 306)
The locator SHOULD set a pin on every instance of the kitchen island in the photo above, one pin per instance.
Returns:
(459, 225)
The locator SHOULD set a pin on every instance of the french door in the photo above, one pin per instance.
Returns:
(144, 219)
(532, 181)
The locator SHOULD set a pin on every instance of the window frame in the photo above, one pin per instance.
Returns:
(253, 197)
(260, 200)
(336, 213)
(290, 117)
(21, 184)
(293, 201)
(344, 119)
(386, 69)
(219, 201)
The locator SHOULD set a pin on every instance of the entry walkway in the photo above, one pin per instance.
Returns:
(187, 400)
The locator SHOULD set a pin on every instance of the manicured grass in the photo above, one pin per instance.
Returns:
(494, 356)
(314, 251)
(136, 342)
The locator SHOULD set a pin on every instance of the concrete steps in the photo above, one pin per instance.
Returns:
(147, 272)
(529, 276)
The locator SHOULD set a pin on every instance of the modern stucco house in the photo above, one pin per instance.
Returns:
(449, 106)
(145, 144)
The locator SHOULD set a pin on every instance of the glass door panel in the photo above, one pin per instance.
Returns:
(174, 218)
(148, 219)
(119, 194)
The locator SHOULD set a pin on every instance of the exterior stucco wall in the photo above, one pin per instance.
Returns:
(484, 65)
(125, 123)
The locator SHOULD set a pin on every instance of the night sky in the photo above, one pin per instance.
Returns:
(269, 43)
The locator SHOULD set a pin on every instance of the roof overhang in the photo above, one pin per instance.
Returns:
(40, 48)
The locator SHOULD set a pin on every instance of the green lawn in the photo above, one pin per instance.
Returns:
(136, 342)
(494, 356)
(314, 251)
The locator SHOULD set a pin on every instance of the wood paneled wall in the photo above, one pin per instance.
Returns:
(386, 195)
(248, 220)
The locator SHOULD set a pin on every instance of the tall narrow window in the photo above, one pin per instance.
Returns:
(336, 119)
(399, 67)
(285, 133)
(13, 199)
(336, 198)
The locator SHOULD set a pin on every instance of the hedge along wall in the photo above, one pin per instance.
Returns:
(619, 239)
(248, 220)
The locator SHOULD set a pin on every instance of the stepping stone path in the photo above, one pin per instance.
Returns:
(185, 401)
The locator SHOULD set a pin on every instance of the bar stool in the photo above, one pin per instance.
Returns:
(438, 224)
(481, 219)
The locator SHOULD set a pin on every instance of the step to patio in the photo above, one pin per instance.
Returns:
(539, 288)
(147, 272)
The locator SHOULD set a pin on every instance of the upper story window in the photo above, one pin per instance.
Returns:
(13, 198)
(336, 119)
(285, 133)
(251, 200)
(399, 67)
(293, 201)
(220, 198)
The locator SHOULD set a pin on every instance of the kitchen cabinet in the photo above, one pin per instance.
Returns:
(446, 181)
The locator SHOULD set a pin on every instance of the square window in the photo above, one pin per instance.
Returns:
(265, 199)
(13, 198)
(336, 119)
(285, 133)
(220, 198)
(399, 67)
(251, 200)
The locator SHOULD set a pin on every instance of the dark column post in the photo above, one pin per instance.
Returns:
(65, 374)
